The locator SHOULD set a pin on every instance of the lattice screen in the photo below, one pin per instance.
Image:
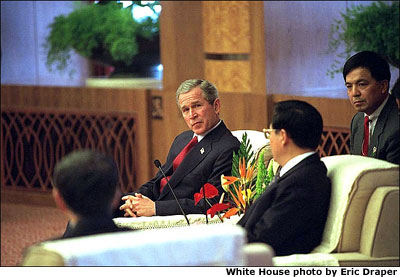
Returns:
(335, 141)
(32, 141)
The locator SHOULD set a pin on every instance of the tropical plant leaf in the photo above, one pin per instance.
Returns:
(374, 27)
(245, 150)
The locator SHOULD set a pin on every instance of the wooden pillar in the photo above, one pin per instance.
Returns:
(233, 42)
(234, 59)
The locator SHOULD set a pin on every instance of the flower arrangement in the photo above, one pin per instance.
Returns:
(250, 177)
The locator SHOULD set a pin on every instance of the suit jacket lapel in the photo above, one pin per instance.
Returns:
(358, 135)
(380, 124)
(194, 157)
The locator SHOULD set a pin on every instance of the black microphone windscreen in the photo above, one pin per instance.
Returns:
(157, 163)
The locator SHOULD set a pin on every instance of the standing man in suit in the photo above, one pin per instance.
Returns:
(290, 215)
(375, 128)
(211, 147)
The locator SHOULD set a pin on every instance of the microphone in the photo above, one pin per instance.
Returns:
(158, 165)
(204, 203)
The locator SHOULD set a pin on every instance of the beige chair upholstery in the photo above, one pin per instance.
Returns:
(362, 228)
(258, 143)
(197, 245)
(257, 138)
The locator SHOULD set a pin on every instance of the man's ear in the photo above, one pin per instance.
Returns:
(59, 200)
(217, 105)
(284, 136)
(384, 86)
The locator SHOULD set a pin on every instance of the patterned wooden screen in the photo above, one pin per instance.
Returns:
(32, 141)
(335, 141)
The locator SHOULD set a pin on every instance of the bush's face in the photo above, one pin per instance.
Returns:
(200, 116)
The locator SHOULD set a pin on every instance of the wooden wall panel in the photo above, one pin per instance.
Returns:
(90, 99)
(181, 42)
(335, 112)
(258, 56)
(229, 76)
(244, 111)
(166, 129)
(226, 27)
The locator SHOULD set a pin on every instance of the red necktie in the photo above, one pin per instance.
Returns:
(177, 161)
(366, 136)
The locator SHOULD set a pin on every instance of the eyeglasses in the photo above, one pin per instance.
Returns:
(267, 132)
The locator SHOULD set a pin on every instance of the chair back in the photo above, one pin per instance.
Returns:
(354, 180)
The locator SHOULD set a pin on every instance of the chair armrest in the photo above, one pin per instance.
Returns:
(258, 254)
(357, 259)
(380, 232)
(37, 255)
(312, 259)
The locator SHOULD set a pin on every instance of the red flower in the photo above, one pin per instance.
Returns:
(210, 192)
(217, 208)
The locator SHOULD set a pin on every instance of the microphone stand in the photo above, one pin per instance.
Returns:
(205, 204)
(158, 165)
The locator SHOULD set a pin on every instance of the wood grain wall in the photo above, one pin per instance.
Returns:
(335, 112)
(89, 99)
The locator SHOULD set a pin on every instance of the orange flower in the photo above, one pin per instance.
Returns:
(242, 168)
(231, 212)
(227, 180)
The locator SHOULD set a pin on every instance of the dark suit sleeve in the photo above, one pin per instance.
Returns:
(291, 214)
(393, 148)
(221, 165)
(294, 216)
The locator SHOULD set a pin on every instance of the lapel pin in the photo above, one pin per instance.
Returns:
(202, 151)
(374, 150)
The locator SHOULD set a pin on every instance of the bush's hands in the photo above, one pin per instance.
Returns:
(138, 205)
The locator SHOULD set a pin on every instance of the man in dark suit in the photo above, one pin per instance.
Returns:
(367, 78)
(205, 162)
(84, 188)
(290, 215)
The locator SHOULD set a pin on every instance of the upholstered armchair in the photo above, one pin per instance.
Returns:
(362, 228)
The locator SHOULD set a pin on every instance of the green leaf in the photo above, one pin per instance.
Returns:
(374, 27)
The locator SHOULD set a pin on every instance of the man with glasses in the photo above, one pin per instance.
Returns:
(290, 215)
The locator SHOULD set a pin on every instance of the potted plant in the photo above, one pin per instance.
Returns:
(374, 27)
(106, 33)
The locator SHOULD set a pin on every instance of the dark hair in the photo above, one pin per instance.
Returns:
(377, 66)
(302, 122)
(87, 182)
